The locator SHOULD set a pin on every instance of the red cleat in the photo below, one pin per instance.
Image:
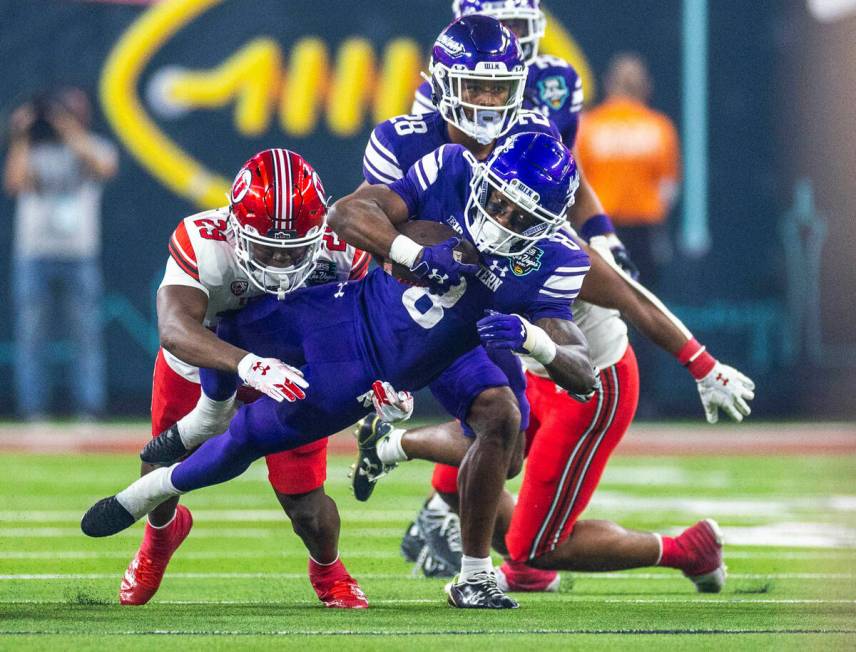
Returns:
(702, 548)
(145, 572)
(517, 576)
(335, 587)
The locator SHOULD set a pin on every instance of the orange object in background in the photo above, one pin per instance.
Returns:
(631, 157)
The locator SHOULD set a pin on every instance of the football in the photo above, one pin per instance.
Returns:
(426, 232)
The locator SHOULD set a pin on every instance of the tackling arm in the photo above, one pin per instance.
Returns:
(719, 385)
(181, 311)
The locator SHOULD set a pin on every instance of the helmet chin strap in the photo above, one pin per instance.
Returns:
(282, 290)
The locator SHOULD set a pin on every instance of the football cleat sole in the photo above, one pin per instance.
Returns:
(105, 518)
(164, 450)
(370, 430)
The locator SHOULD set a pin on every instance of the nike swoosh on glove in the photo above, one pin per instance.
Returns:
(439, 265)
(725, 388)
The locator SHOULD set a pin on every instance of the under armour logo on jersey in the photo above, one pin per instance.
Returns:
(340, 292)
(262, 370)
(436, 276)
(498, 268)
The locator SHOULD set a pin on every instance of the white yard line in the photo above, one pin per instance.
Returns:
(610, 501)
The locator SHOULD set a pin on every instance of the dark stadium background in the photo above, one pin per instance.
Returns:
(779, 90)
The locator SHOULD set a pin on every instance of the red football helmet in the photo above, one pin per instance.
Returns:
(278, 213)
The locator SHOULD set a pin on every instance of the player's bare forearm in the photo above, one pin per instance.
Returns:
(571, 368)
(609, 287)
(181, 310)
(367, 217)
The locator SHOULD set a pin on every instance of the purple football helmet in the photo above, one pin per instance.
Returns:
(523, 17)
(521, 194)
(478, 77)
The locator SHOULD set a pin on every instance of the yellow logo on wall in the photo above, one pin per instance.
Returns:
(263, 87)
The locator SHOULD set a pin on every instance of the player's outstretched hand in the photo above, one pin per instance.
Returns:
(391, 406)
(439, 265)
(273, 377)
(726, 388)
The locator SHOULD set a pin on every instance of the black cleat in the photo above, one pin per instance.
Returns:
(412, 542)
(369, 467)
(105, 518)
(164, 450)
(441, 554)
(478, 592)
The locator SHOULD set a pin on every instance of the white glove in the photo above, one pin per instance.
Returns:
(273, 377)
(390, 406)
(725, 387)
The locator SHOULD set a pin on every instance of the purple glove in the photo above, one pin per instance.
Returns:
(438, 266)
(499, 331)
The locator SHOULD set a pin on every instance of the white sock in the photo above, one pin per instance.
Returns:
(437, 504)
(207, 419)
(389, 449)
(472, 565)
(148, 492)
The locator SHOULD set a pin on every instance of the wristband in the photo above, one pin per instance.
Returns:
(404, 251)
(599, 224)
(696, 359)
(538, 344)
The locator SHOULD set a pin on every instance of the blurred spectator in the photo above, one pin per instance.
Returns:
(55, 168)
(631, 156)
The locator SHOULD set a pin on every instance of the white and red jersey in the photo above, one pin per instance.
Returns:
(605, 331)
(201, 257)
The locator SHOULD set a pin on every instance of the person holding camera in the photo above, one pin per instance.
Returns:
(56, 168)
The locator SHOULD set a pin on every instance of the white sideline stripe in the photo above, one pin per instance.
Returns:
(588, 576)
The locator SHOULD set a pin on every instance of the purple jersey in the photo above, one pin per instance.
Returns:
(553, 89)
(398, 143)
(345, 336)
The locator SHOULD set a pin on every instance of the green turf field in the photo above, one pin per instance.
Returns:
(239, 580)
